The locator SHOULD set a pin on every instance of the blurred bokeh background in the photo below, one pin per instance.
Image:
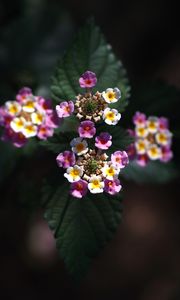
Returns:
(143, 260)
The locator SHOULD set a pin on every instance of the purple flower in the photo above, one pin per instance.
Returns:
(139, 119)
(112, 186)
(78, 188)
(65, 109)
(44, 132)
(163, 123)
(23, 93)
(19, 140)
(52, 120)
(142, 160)
(66, 159)
(120, 159)
(103, 141)
(87, 129)
(45, 105)
(88, 80)
(166, 153)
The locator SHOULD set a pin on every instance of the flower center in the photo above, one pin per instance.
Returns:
(80, 147)
(110, 116)
(92, 165)
(90, 106)
(96, 183)
(88, 81)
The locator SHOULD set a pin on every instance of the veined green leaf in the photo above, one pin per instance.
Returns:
(81, 226)
(89, 51)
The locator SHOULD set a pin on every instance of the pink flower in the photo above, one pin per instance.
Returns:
(139, 118)
(79, 188)
(66, 159)
(5, 118)
(45, 105)
(142, 160)
(65, 109)
(23, 93)
(120, 159)
(163, 123)
(166, 153)
(44, 132)
(88, 80)
(52, 120)
(19, 140)
(112, 186)
(87, 129)
(103, 141)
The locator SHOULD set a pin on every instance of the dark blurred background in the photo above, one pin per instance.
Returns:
(143, 260)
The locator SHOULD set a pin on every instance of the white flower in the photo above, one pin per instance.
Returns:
(164, 137)
(17, 124)
(111, 116)
(154, 152)
(152, 124)
(29, 106)
(110, 171)
(73, 173)
(79, 146)
(13, 108)
(29, 130)
(141, 131)
(37, 118)
(141, 146)
(111, 95)
(96, 185)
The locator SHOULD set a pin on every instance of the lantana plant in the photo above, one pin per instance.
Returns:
(81, 131)
(87, 166)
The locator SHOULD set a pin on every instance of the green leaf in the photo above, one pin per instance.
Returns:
(59, 142)
(89, 51)
(81, 226)
(154, 172)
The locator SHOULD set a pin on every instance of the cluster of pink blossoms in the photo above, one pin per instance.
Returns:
(153, 139)
(26, 117)
(87, 167)
(89, 106)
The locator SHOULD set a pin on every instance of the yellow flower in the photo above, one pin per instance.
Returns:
(29, 130)
(96, 185)
(111, 116)
(37, 118)
(73, 173)
(111, 95)
(17, 124)
(154, 152)
(141, 146)
(13, 108)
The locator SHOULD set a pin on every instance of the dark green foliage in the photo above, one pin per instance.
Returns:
(81, 226)
(154, 172)
(89, 51)
(59, 142)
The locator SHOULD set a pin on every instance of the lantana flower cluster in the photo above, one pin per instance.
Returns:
(88, 167)
(153, 139)
(89, 106)
(26, 117)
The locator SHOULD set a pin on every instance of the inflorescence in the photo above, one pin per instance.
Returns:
(153, 139)
(26, 117)
(87, 164)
